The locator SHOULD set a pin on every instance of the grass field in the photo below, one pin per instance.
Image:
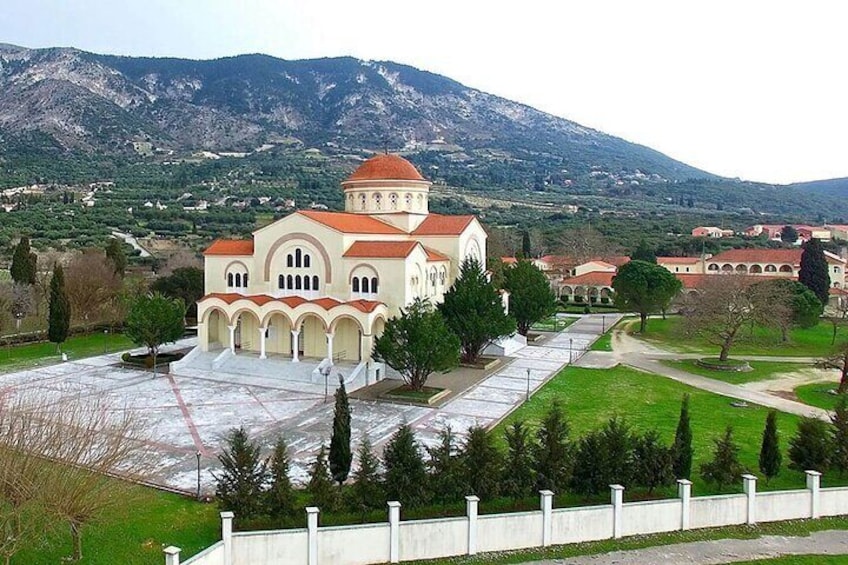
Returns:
(592, 396)
(134, 533)
(552, 324)
(810, 342)
(603, 343)
(44, 353)
(818, 394)
(762, 370)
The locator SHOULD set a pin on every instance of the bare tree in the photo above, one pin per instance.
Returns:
(92, 285)
(584, 243)
(179, 259)
(726, 303)
(837, 315)
(838, 361)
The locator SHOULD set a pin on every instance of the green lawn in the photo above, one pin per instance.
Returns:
(44, 353)
(134, 533)
(810, 342)
(552, 324)
(603, 343)
(818, 394)
(762, 370)
(592, 396)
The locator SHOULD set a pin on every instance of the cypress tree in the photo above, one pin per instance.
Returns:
(526, 246)
(24, 266)
(810, 447)
(682, 447)
(518, 479)
(321, 491)
(651, 461)
(405, 477)
(280, 496)
(340, 453)
(724, 468)
(243, 477)
(552, 451)
(481, 463)
(644, 252)
(445, 467)
(115, 253)
(366, 491)
(814, 271)
(59, 309)
(770, 456)
(839, 418)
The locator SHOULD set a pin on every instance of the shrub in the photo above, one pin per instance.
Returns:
(724, 467)
(810, 448)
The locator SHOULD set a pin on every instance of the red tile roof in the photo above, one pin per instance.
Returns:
(381, 249)
(386, 167)
(294, 301)
(786, 256)
(617, 260)
(435, 256)
(678, 260)
(230, 247)
(695, 280)
(350, 223)
(595, 278)
(436, 224)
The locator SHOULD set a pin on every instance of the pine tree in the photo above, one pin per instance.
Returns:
(644, 252)
(552, 451)
(724, 467)
(814, 271)
(770, 456)
(652, 462)
(839, 418)
(240, 484)
(321, 491)
(24, 268)
(682, 447)
(589, 477)
(618, 445)
(405, 479)
(115, 253)
(482, 463)
(280, 496)
(445, 469)
(340, 452)
(810, 448)
(518, 479)
(59, 309)
(366, 491)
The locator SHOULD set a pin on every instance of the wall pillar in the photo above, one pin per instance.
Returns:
(547, 504)
(471, 503)
(262, 333)
(814, 486)
(172, 555)
(312, 535)
(684, 491)
(202, 335)
(232, 339)
(366, 345)
(750, 487)
(394, 531)
(295, 335)
(330, 346)
(617, 500)
(227, 536)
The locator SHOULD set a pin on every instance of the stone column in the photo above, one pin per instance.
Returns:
(366, 344)
(262, 332)
(750, 488)
(227, 536)
(547, 503)
(617, 499)
(330, 346)
(394, 531)
(312, 535)
(172, 555)
(295, 334)
(232, 339)
(814, 486)
(684, 491)
(471, 503)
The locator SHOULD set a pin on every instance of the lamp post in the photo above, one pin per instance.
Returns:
(603, 324)
(105, 340)
(528, 384)
(325, 372)
(570, 349)
(197, 454)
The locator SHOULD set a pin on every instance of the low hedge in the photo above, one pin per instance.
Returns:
(716, 364)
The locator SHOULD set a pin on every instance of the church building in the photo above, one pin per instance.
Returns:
(320, 285)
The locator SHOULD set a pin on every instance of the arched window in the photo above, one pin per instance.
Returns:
(315, 285)
(419, 203)
(363, 202)
(393, 201)
(244, 280)
(355, 284)
(378, 201)
(238, 280)
(307, 260)
(374, 285)
(298, 284)
(289, 283)
(298, 260)
(289, 260)
(365, 285)
(771, 269)
(408, 200)
(281, 282)
(230, 280)
(307, 283)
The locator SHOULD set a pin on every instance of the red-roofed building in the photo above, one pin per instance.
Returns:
(321, 285)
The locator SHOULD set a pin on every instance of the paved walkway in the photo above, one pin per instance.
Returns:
(181, 415)
(635, 353)
(831, 542)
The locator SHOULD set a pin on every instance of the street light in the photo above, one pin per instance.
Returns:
(198, 474)
(528, 384)
(325, 372)
(570, 349)
(603, 324)
(105, 340)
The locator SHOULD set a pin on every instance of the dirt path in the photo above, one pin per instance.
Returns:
(830, 542)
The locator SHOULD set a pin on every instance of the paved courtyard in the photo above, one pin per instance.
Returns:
(181, 415)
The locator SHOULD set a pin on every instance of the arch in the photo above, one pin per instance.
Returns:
(378, 200)
(289, 260)
(271, 314)
(298, 323)
(606, 292)
(243, 310)
(298, 283)
(741, 268)
(407, 198)
(727, 268)
(770, 269)
(364, 266)
(473, 250)
(755, 269)
(786, 268)
(289, 282)
(328, 275)
(316, 283)
(374, 285)
(307, 282)
(355, 284)
(298, 258)
(235, 263)
(307, 261)
(334, 324)
(567, 290)
(230, 280)
(363, 202)
(208, 312)
(712, 267)
(281, 282)
(365, 285)
(393, 201)
(378, 325)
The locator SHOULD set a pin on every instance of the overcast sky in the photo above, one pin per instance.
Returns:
(739, 88)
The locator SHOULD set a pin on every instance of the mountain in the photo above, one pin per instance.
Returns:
(831, 187)
(66, 100)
